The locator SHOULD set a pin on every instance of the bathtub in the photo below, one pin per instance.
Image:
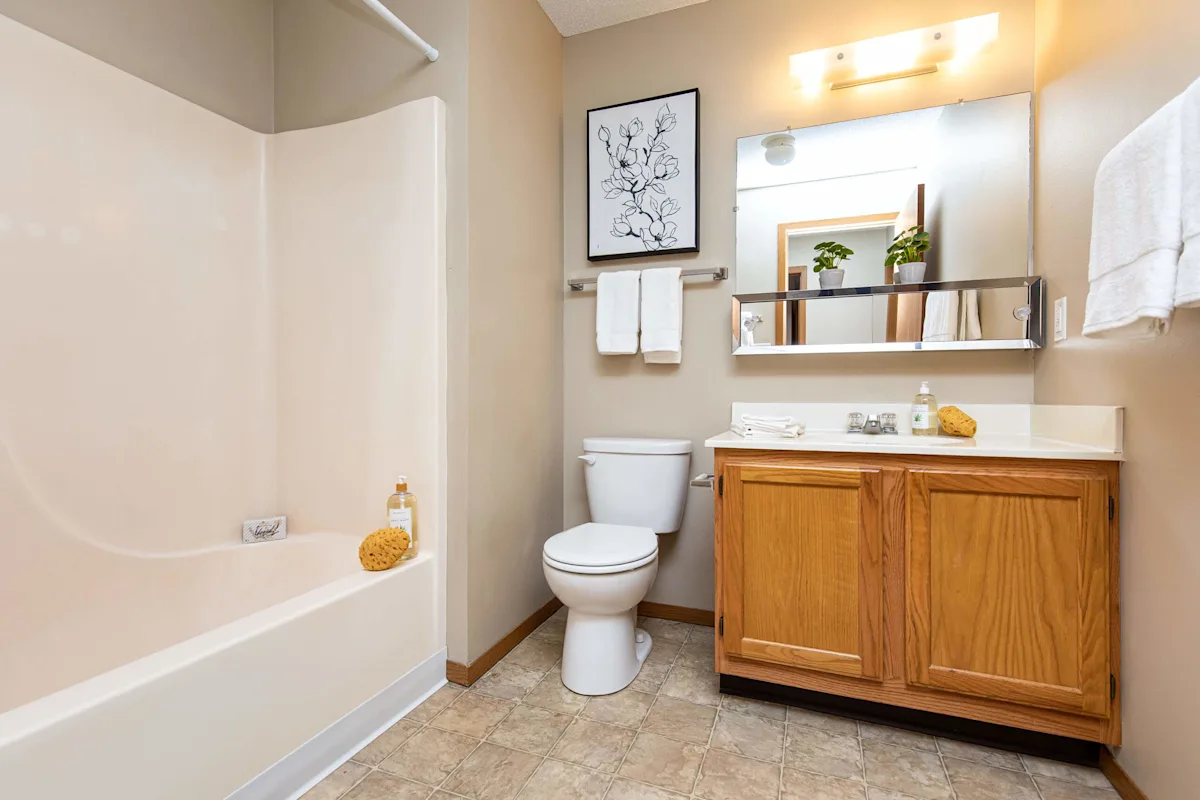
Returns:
(257, 705)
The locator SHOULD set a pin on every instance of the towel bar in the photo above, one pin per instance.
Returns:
(717, 274)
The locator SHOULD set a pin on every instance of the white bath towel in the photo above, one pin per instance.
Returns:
(617, 295)
(751, 427)
(1136, 231)
(969, 329)
(662, 315)
(1187, 284)
(941, 317)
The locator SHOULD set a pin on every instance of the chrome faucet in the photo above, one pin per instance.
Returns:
(872, 424)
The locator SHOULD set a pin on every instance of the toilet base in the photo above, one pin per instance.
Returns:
(603, 653)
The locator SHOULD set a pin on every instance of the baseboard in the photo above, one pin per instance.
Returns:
(1119, 778)
(467, 674)
(311, 762)
(694, 616)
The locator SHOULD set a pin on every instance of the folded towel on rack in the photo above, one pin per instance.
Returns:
(1187, 284)
(941, 317)
(617, 312)
(969, 329)
(662, 315)
(1137, 231)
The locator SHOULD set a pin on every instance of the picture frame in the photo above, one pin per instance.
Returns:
(643, 185)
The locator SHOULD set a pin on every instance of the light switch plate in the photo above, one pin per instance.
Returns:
(1060, 319)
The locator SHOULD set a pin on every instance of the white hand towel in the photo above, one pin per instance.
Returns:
(969, 329)
(941, 317)
(662, 315)
(747, 432)
(752, 426)
(617, 312)
(1187, 285)
(1136, 231)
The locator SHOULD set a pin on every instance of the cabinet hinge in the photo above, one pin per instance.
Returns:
(1112, 508)
(721, 626)
(1112, 686)
(721, 487)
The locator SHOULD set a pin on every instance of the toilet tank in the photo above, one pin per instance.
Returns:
(640, 482)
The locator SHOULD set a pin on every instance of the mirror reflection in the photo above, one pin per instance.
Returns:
(938, 194)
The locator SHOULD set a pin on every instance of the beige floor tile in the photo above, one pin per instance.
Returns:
(701, 633)
(974, 781)
(628, 790)
(693, 686)
(430, 756)
(650, 678)
(555, 780)
(680, 719)
(756, 708)
(697, 655)
(830, 723)
(809, 786)
(1071, 773)
(530, 728)
(663, 762)
(665, 629)
(594, 745)
(535, 653)
(561, 613)
(473, 714)
(664, 651)
(815, 750)
(551, 694)
(386, 743)
(749, 736)
(626, 708)
(875, 793)
(724, 776)
(553, 629)
(1054, 789)
(904, 769)
(335, 784)
(382, 786)
(436, 702)
(508, 681)
(889, 735)
(984, 755)
(492, 773)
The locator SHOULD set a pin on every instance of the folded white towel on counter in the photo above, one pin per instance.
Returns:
(1137, 231)
(662, 315)
(757, 433)
(617, 295)
(756, 427)
(941, 317)
(1187, 284)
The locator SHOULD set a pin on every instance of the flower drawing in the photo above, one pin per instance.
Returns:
(641, 164)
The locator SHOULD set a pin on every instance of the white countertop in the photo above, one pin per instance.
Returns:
(996, 445)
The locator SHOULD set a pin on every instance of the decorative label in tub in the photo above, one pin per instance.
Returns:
(264, 530)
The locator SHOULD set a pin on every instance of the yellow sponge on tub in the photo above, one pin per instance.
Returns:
(383, 548)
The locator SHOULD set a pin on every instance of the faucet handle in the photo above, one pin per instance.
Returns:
(855, 422)
(888, 420)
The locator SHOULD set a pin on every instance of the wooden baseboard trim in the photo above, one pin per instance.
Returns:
(1118, 777)
(467, 674)
(694, 616)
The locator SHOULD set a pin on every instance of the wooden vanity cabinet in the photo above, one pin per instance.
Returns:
(974, 587)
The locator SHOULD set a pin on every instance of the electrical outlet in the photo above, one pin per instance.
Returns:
(1060, 319)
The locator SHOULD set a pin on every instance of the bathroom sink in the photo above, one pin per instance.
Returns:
(885, 439)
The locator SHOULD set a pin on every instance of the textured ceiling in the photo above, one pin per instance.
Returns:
(580, 16)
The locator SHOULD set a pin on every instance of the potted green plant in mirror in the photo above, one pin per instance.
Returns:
(907, 254)
(828, 261)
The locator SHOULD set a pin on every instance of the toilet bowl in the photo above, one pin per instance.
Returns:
(601, 570)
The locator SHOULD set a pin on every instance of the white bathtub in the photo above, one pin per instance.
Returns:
(257, 707)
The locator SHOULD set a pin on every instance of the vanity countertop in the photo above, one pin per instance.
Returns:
(996, 445)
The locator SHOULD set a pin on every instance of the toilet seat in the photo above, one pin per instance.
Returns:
(597, 549)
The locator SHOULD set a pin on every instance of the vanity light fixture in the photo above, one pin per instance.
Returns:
(897, 55)
(781, 149)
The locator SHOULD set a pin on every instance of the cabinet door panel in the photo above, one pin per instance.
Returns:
(1008, 581)
(803, 568)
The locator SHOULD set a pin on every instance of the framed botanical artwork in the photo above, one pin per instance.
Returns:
(644, 177)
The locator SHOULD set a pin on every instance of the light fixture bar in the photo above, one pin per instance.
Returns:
(890, 76)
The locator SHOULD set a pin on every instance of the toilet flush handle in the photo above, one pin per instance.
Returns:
(589, 460)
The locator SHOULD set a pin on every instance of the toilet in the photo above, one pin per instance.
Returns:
(601, 570)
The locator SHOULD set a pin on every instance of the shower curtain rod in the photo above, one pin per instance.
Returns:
(391, 19)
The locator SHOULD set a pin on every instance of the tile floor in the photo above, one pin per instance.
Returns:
(519, 733)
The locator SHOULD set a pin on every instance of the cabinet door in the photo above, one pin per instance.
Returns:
(1008, 587)
(802, 567)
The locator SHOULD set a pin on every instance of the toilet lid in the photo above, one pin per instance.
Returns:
(596, 544)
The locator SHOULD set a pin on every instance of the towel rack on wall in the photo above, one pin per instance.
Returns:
(717, 274)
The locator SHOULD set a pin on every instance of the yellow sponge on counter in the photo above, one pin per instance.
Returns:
(383, 548)
(956, 422)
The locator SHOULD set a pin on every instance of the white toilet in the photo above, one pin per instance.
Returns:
(601, 570)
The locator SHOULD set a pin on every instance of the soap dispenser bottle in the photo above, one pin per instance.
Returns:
(402, 513)
(924, 412)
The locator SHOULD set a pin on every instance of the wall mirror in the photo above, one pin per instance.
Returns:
(920, 222)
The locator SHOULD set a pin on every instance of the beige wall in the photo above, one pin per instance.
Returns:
(216, 53)
(1103, 66)
(736, 52)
